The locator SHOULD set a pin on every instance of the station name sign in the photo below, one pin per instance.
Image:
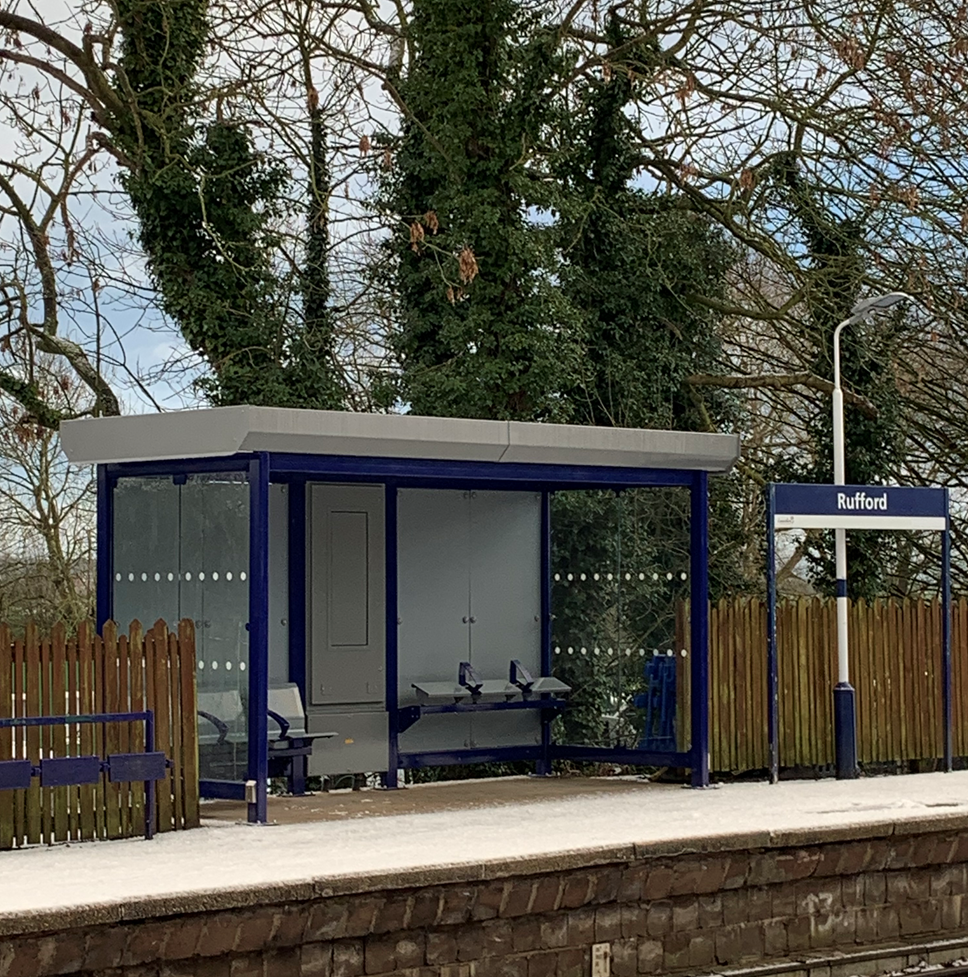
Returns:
(799, 506)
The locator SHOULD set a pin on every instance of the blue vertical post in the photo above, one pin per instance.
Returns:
(772, 678)
(258, 725)
(699, 628)
(946, 633)
(149, 784)
(105, 547)
(543, 766)
(297, 584)
(392, 630)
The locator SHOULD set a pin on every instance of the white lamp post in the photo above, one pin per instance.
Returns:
(845, 714)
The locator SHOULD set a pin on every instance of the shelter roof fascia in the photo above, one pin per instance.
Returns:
(227, 431)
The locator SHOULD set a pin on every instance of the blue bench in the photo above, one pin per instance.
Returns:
(76, 771)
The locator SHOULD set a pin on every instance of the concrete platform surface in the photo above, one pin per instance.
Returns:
(463, 830)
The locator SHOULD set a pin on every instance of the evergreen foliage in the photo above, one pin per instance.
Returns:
(635, 263)
(482, 332)
(205, 200)
(873, 445)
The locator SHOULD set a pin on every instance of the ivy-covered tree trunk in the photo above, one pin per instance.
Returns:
(482, 332)
(205, 200)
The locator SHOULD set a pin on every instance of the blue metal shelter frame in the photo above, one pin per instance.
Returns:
(772, 680)
(297, 470)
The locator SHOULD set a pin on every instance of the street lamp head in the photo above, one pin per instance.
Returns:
(876, 303)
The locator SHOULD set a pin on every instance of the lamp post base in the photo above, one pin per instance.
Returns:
(845, 731)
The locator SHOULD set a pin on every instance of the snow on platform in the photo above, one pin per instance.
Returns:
(225, 863)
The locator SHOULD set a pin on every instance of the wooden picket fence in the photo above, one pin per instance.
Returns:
(53, 675)
(895, 666)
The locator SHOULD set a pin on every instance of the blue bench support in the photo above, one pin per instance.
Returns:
(73, 771)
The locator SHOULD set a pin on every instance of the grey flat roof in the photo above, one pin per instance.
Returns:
(222, 431)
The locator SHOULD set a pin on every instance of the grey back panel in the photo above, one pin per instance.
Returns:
(347, 595)
(469, 590)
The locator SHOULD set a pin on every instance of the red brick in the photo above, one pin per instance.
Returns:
(577, 890)
(283, 962)
(608, 924)
(457, 906)
(737, 870)
(702, 950)
(393, 914)
(751, 941)
(105, 948)
(798, 933)
(685, 915)
(727, 945)
(470, 942)
(581, 927)
(676, 951)
(249, 965)
(347, 958)
(635, 920)
(879, 854)
(760, 904)
(736, 906)
(327, 920)
(650, 956)
(948, 880)
(774, 938)
(362, 913)
(425, 908)
(852, 891)
(289, 927)
(441, 948)
(865, 921)
(543, 964)
(902, 854)
(783, 901)
(211, 967)
(624, 958)
(316, 960)
(526, 934)
(632, 883)
(518, 900)
(658, 883)
(63, 952)
(822, 933)
(497, 937)
(410, 951)
(146, 942)
(571, 962)
(875, 889)
(659, 921)
(547, 894)
(888, 927)
(254, 931)
(490, 899)
(20, 959)
(915, 918)
(951, 912)
(606, 884)
(554, 931)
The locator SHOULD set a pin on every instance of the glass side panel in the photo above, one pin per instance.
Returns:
(146, 548)
(183, 551)
(620, 633)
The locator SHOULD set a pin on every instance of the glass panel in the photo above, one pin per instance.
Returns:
(183, 551)
(146, 551)
(620, 586)
(215, 592)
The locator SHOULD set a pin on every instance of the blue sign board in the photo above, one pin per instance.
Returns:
(799, 506)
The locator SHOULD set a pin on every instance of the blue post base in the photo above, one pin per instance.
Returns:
(845, 731)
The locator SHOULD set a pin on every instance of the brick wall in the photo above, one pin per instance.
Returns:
(728, 902)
